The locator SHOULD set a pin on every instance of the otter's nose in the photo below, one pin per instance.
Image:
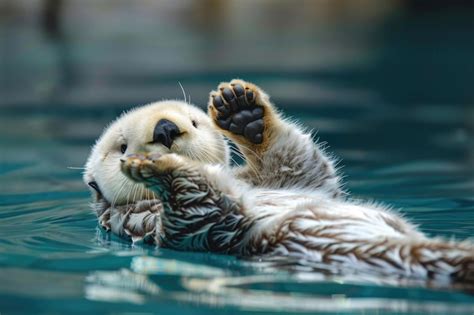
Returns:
(165, 132)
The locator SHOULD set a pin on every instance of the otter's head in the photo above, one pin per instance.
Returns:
(162, 127)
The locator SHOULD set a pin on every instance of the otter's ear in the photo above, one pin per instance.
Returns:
(94, 185)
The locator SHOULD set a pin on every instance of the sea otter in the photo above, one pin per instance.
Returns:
(161, 173)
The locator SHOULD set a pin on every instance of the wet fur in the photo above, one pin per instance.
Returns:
(286, 201)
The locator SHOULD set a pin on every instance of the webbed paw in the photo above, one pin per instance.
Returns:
(237, 108)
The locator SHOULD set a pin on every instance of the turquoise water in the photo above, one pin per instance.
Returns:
(55, 260)
(393, 101)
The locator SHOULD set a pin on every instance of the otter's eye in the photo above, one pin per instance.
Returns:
(123, 148)
(195, 124)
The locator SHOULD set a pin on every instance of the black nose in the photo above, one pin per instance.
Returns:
(165, 132)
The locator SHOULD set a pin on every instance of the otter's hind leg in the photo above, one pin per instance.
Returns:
(198, 212)
(278, 153)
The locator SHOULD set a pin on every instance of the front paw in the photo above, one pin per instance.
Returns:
(144, 168)
(238, 107)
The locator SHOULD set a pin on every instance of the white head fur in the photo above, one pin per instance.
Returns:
(133, 131)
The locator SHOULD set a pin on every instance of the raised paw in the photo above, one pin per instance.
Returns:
(235, 107)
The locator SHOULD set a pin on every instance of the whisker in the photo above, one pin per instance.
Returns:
(251, 151)
(75, 168)
(117, 194)
(182, 89)
(135, 190)
(248, 164)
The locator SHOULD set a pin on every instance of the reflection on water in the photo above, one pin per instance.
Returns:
(388, 88)
(263, 292)
(150, 265)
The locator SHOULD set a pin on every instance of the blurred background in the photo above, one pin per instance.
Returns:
(388, 84)
(94, 58)
(85, 52)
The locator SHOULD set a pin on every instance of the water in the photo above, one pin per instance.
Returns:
(54, 259)
(404, 133)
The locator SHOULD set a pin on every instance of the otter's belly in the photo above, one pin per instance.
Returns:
(316, 215)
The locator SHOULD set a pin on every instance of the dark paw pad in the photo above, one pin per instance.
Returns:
(238, 112)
